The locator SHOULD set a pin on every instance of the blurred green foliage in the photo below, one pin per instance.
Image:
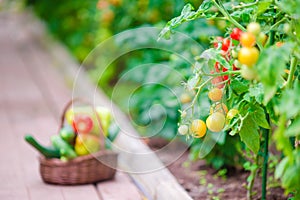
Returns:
(153, 108)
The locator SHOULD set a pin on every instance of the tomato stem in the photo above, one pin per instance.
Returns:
(243, 5)
(253, 174)
(289, 85)
(198, 93)
(221, 8)
(266, 157)
(223, 73)
(277, 23)
(228, 16)
(293, 65)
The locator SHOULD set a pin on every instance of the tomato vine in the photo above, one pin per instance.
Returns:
(255, 66)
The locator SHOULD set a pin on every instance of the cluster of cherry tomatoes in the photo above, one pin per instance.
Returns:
(239, 50)
(217, 119)
(215, 122)
(248, 53)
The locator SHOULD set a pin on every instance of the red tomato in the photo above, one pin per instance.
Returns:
(226, 43)
(82, 123)
(225, 77)
(217, 67)
(234, 67)
(217, 81)
(279, 44)
(236, 34)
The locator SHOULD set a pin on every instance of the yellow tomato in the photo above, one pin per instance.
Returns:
(198, 128)
(215, 122)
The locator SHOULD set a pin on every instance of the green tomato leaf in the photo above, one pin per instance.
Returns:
(249, 134)
(294, 128)
(243, 14)
(238, 86)
(271, 65)
(263, 5)
(257, 91)
(290, 6)
(192, 82)
(259, 117)
(215, 56)
(290, 102)
(282, 142)
(207, 4)
(291, 179)
(188, 13)
(281, 168)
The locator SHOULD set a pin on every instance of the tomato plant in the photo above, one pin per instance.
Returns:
(82, 25)
(262, 98)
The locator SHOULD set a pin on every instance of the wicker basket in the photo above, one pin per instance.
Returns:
(86, 169)
(81, 170)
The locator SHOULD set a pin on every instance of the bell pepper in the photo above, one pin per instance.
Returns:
(86, 144)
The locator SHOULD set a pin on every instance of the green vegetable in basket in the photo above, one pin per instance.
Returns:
(48, 152)
(113, 132)
(65, 149)
(67, 134)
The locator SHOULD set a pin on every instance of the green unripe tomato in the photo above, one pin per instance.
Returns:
(248, 73)
(183, 129)
(286, 28)
(254, 28)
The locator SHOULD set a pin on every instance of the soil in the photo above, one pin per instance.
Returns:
(203, 182)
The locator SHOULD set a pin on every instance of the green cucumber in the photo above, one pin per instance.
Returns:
(113, 131)
(63, 146)
(67, 134)
(48, 152)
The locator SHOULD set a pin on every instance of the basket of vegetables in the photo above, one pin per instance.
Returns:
(81, 151)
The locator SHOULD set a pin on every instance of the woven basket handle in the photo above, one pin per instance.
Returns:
(79, 100)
